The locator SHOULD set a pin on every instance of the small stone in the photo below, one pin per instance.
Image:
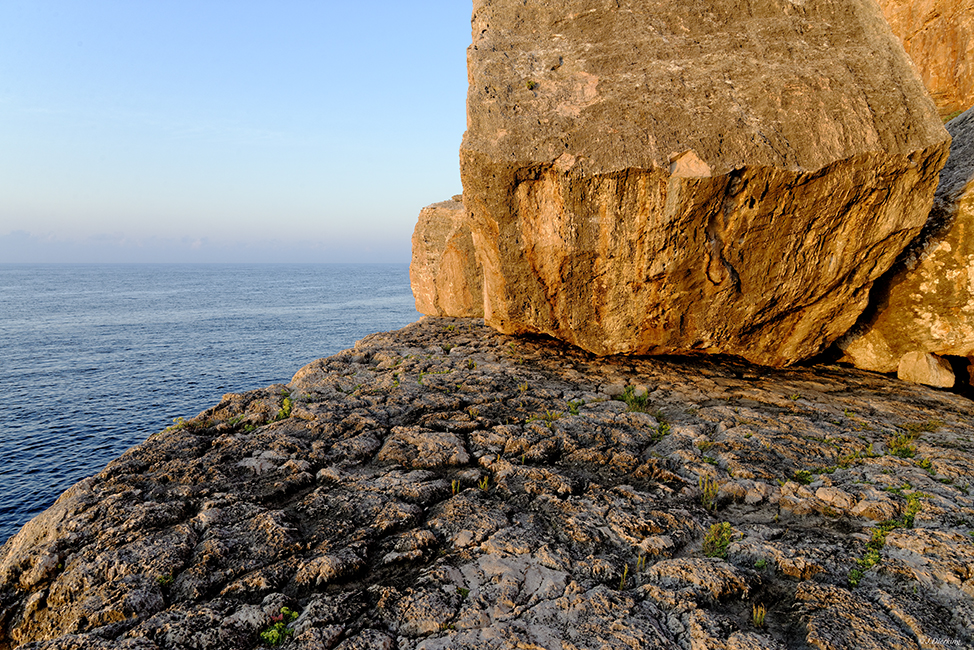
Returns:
(926, 368)
(836, 498)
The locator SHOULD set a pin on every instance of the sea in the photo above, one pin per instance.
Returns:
(95, 358)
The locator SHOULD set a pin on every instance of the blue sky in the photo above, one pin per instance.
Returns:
(226, 131)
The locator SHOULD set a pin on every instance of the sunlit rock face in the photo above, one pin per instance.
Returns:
(693, 176)
(939, 37)
(927, 302)
(444, 273)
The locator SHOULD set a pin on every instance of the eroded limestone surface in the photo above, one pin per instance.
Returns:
(723, 177)
(446, 486)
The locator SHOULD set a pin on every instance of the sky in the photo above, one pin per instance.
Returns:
(226, 131)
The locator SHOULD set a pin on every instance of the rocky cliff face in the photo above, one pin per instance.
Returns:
(926, 304)
(939, 37)
(691, 176)
(446, 486)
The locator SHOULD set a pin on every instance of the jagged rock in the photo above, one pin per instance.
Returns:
(492, 497)
(925, 368)
(444, 274)
(926, 302)
(691, 177)
(939, 37)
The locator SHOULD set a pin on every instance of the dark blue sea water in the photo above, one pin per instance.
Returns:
(95, 358)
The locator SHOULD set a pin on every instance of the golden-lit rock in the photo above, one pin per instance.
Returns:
(939, 37)
(927, 302)
(691, 177)
(444, 273)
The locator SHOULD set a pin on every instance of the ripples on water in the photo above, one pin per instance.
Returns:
(94, 358)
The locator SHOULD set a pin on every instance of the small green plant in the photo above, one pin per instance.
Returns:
(463, 592)
(471, 364)
(903, 445)
(951, 116)
(531, 85)
(548, 418)
(761, 564)
(455, 487)
(717, 539)
(802, 476)
(640, 563)
(164, 580)
(636, 403)
(449, 328)
(794, 397)
(622, 580)
(927, 464)
(705, 445)
(708, 492)
(574, 406)
(285, 412)
(483, 484)
(279, 632)
(758, 612)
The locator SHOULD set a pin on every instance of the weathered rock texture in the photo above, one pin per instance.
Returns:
(926, 368)
(939, 37)
(444, 274)
(446, 486)
(692, 176)
(926, 303)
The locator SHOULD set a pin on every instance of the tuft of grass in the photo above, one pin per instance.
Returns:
(878, 539)
(548, 418)
(758, 612)
(574, 406)
(903, 445)
(717, 539)
(484, 483)
(950, 116)
(708, 492)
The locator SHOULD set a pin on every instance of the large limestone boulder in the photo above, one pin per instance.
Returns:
(721, 177)
(444, 274)
(927, 302)
(939, 37)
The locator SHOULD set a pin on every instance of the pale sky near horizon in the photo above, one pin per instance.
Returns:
(226, 131)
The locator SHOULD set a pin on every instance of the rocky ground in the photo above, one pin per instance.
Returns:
(445, 486)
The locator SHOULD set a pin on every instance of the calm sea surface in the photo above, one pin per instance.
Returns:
(95, 358)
